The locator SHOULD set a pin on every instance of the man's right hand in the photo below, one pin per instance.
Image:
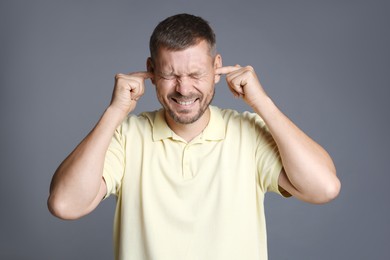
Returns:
(128, 89)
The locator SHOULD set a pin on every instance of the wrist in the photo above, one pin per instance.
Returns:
(114, 116)
(264, 107)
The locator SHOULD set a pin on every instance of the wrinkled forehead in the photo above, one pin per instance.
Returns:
(193, 59)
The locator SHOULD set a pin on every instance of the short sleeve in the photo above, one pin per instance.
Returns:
(268, 159)
(114, 164)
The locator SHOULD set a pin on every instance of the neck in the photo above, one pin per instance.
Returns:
(189, 131)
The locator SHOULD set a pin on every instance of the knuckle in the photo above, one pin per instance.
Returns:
(249, 68)
(132, 83)
(118, 76)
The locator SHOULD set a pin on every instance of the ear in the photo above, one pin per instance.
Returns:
(217, 64)
(150, 68)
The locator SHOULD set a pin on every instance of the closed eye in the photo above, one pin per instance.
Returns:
(196, 75)
(168, 77)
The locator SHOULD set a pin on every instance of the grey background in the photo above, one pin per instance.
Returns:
(325, 63)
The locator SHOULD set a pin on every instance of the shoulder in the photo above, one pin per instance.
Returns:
(245, 118)
(246, 124)
(139, 122)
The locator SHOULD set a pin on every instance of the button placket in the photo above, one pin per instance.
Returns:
(187, 174)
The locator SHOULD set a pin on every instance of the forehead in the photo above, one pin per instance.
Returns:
(196, 57)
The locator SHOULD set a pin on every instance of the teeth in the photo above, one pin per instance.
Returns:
(185, 103)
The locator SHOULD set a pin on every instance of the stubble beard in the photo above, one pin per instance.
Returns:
(180, 119)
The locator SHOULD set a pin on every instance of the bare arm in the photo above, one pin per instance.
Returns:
(308, 170)
(77, 186)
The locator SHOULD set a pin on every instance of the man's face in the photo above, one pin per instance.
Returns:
(185, 82)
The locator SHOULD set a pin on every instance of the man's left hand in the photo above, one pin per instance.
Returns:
(243, 82)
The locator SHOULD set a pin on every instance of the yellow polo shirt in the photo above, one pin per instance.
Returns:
(191, 201)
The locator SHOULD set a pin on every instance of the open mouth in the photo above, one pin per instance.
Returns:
(185, 102)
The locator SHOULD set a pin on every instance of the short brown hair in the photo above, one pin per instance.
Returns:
(179, 32)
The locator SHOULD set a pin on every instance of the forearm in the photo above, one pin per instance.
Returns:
(309, 168)
(78, 180)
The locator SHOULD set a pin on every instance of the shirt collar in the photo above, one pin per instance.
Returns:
(214, 131)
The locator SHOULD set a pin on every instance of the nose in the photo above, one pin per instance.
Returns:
(183, 85)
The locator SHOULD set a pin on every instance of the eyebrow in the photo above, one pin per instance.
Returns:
(166, 73)
(198, 72)
(171, 73)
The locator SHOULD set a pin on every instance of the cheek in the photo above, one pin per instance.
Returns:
(160, 98)
(163, 90)
(203, 82)
(207, 85)
(159, 92)
(164, 84)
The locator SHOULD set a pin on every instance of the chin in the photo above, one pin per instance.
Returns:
(185, 120)
(185, 117)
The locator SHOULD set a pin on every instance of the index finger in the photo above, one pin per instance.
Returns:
(226, 70)
(142, 74)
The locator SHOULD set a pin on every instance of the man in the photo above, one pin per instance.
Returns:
(190, 178)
